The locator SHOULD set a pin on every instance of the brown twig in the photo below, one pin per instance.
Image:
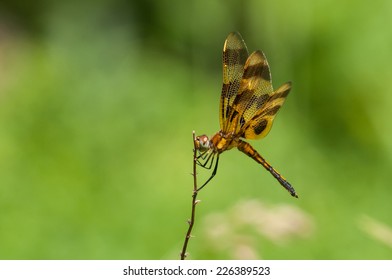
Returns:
(191, 221)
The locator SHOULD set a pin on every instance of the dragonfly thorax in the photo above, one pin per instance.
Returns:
(221, 142)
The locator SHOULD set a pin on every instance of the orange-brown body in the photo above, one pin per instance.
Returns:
(248, 107)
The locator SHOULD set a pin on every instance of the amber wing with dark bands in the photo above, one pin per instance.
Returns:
(235, 55)
(253, 93)
(261, 122)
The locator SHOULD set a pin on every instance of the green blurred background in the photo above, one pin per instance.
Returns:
(98, 101)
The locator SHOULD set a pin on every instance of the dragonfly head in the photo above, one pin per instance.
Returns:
(203, 143)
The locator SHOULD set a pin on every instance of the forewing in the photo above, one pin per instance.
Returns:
(235, 54)
(261, 123)
(253, 93)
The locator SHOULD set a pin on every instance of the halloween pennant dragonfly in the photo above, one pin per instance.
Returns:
(248, 106)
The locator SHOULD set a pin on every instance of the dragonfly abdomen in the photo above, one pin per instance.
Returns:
(247, 149)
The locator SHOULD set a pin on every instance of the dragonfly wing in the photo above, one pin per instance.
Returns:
(235, 55)
(261, 122)
(254, 91)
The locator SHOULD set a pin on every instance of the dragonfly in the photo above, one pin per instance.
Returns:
(248, 106)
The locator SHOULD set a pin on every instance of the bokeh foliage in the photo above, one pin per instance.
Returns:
(98, 101)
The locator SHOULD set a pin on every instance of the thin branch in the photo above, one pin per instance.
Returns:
(191, 221)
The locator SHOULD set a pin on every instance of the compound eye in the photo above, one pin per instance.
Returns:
(202, 142)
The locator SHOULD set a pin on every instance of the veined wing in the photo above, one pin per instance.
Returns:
(262, 120)
(254, 91)
(235, 55)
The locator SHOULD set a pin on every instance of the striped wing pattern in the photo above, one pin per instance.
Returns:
(251, 104)
(261, 122)
(235, 54)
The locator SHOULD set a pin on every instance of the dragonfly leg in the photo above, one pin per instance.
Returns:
(213, 172)
(207, 159)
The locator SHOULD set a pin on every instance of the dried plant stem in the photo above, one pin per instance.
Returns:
(191, 221)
